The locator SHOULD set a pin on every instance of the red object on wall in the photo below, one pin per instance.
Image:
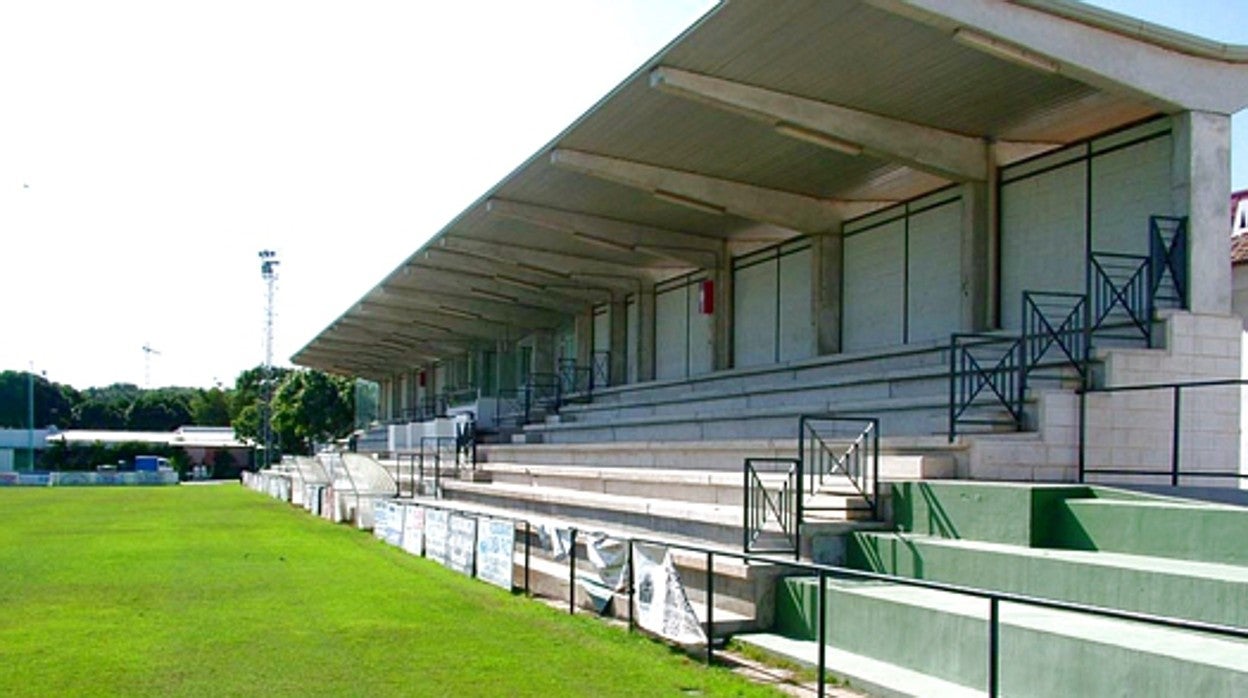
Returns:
(706, 297)
(421, 379)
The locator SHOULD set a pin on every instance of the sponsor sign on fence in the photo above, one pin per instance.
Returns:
(663, 608)
(437, 535)
(496, 544)
(462, 545)
(414, 529)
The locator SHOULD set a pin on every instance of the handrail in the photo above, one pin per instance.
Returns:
(1121, 282)
(1175, 472)
(764, 507)
(825, 572)
(979, 362)
(1168, 255)
(858, 462)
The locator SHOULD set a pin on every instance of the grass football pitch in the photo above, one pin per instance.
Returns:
(220, 591)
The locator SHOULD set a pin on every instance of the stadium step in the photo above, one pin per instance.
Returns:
(1044, 652)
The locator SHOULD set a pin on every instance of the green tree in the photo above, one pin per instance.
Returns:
(312, 407)
(211, 408)
(165, 409)
(54, 403)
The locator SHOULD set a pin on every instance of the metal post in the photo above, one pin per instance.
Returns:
(710, 608)
(528, 534)
(1083, 433)
(572, 572)
(30, 417)
(745, 507)
(822, 633)
(1174, 446)
(632, 622)
(994, 646)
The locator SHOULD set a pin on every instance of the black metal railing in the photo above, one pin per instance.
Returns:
(1055, 327)
(1175, 473)
(512, 407)
(545, 392)
(466, 443)
(600, 370)
(438, 455)
(576, 382)
(981, 366)
(835, 451)
(827, 573)
(1120, 294)
(772, 505)
(1167, 252)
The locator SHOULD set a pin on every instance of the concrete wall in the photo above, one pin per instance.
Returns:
(902, 274)
(772, 309)
(1102, 191)
(1132, 430)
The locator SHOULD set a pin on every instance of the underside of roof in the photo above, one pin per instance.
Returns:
(767, 120)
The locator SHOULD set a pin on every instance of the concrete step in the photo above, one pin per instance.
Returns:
(1171, 528)
(704, 486)
(898, 417)
(744, 593)
(1043, 652)
(901, 458)
(1200, 591)
(795, 373)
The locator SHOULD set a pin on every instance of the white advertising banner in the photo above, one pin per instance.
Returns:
(496, 544)
(663, 608)
(462, 545)
(381, 517)
(393, 533)
(414, 529)
(604, 575)
(437, 534)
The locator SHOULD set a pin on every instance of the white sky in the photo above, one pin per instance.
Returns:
(166, 143)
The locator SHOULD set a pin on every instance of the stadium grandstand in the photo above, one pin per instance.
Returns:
(903, 285)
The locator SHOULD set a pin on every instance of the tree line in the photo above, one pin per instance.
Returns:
(308, 407)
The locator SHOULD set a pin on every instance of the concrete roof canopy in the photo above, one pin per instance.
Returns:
(762, 122)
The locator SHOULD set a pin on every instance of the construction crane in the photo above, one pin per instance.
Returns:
(148, 351)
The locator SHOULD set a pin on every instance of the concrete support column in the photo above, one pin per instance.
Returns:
(723, 327)
(828, 260)
(645, 339)
(1202, 191)
(383, 399)
(583, 330)
(543, 352)
(978, 290)
(617, 315)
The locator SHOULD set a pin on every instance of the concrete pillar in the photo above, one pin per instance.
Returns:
(645, 340)
(722, 277)
(978, 286)
(1202, 191)
(583, 330)
(828, 260)
(543, 352)
(618, 317)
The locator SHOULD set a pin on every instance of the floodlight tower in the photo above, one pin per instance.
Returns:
(268, 271)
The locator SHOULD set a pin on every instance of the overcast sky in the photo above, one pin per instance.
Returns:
(149, 150)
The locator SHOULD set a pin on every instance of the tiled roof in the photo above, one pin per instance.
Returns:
(1239, 249)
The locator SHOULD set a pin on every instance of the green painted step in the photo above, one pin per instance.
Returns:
(1203, 591)
(1017, 514)
(1175, 529)
(1043, 652)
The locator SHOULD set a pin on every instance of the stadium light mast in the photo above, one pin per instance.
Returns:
(30, 415)
(268, 272)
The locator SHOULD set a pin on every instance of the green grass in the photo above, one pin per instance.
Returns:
(220, 591)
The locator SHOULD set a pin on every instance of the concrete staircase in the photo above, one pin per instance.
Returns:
(677, 491)
(1086, 545)
(906, 387)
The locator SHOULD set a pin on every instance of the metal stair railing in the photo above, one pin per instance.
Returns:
(980, 365)
(774, 510)
(826, 458)
(1055, 326)
(1167, 250)
(599, 370)
(1120, 294)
